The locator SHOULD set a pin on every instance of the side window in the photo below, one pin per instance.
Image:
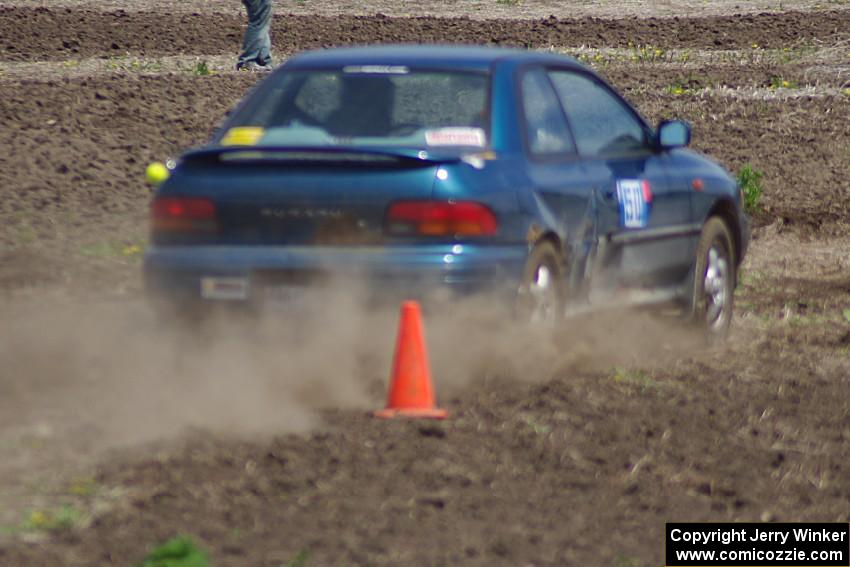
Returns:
(600, 122)
(545, 124)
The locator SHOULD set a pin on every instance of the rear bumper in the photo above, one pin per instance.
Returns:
(176, 272)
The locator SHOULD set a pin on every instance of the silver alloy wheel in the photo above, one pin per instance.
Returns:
(542, 293)
(715, 284)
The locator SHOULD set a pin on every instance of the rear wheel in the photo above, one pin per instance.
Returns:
(714, 280)
(541, 295)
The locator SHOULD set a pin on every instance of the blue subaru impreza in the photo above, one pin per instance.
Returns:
(468, 168)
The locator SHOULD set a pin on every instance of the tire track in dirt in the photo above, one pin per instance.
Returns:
(45, 33)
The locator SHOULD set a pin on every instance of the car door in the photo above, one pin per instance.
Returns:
(559, 187)
(642, 216)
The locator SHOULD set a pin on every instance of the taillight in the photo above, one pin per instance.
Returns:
(183, 214)
(440, 218)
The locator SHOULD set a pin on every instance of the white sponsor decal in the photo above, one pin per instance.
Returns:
(456, 137)
(380, 69)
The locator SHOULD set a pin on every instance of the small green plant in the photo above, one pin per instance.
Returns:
(636, 378)
(646, 53)
(300, 559)
(846, 314)
(780, 83)
(131, 64)
(678, 89)
(176, 552)
(797, 320)
(51, 520)
(627, 561)
(101, 250)
(24, 234)
(538, 428)
(749, 278)
(761, 108)
(749, 180)
(113, 249)
(684, 56)
(201, 69)
(596, 59)
(788, 54)
(143, 66)
(114, 61)
(83, 486)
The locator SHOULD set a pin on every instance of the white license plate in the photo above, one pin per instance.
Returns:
(225, 288)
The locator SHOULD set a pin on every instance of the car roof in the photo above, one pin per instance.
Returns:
(478, 58)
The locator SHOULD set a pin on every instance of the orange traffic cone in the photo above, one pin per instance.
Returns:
(411, 393)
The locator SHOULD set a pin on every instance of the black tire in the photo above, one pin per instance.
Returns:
(715, 266)
(541, 296)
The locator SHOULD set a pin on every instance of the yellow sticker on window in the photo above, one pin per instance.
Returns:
(242, 136)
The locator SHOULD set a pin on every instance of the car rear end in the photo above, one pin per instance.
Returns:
(294, 195)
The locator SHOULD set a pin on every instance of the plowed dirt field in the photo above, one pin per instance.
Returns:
(117, 434)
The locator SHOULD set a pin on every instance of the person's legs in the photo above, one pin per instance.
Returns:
(256, 46)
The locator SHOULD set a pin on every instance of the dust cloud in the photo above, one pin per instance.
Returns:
(115, 374)
(476, 342)
(118, 373)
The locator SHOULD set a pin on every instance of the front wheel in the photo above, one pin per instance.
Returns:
(541, 295)
(714, 280)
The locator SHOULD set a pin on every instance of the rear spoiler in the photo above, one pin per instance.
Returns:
(265, 154)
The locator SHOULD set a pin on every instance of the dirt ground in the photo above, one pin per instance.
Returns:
(51, 33)
(118, 434)
(478, 9)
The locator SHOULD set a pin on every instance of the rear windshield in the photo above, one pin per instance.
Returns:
(369, 105)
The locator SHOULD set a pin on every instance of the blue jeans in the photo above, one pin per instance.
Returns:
(256, 45)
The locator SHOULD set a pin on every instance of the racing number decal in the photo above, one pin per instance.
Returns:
(634, 197)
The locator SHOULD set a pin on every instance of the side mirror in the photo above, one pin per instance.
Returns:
(673, 134)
